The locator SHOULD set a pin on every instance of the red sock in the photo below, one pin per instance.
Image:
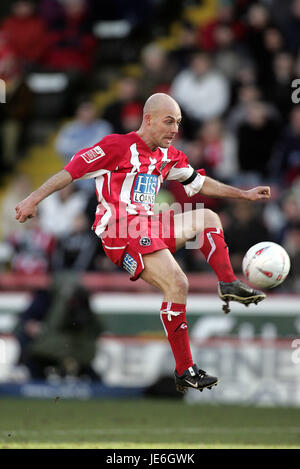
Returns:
(216, 253)
(176, 330)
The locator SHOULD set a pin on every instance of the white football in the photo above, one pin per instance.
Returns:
(266, 265)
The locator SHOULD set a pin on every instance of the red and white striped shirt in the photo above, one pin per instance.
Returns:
(128, 175)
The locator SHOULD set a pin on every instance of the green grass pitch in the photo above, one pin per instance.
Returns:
(144, 423)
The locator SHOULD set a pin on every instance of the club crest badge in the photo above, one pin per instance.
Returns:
(145, 241)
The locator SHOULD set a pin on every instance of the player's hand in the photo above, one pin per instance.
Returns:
(258, 193)
(26, 209)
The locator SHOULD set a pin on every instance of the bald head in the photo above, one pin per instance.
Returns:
(161, 119)
(160, 102)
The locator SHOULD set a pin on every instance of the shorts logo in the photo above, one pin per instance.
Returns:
(129, 264)
(145, 241)
(144, 190)
(93, 154)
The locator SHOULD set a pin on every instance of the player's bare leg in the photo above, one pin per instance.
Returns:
(207, 224)
(162, 271)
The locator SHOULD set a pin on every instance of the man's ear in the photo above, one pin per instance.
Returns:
(147, 118)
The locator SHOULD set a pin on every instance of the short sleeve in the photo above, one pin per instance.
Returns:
(99, 159)
(182, 171)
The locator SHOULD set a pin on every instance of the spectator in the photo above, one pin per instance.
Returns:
(273, 41)
(131, 117)
(157, 71)
(10, 70)
(57, 211)
(83, 132)
(127, 95)
(76, 16)
(246, 76)
(58, 332)
(56, 13)
(77, 250)
(226, 16)
(26, 33)
(28, 328)
(273, 45)
(72, 44)
(257, 21)
(16, 112)
(246, 94)
(228, 54)
(219, 151)
(240, 233)
(201, 91)
(291, 28)
(284, 167)
(238, 112)
(290, 210)
(186, 46)
(283, 212)
(52, 12)
(32, 249)
(256, 138)
(278, 89)
(280, 12)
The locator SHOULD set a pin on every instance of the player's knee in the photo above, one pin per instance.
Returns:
(183, 284)
(178, 284)
(211, 219)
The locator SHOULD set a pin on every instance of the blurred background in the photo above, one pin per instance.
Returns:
(71, 323)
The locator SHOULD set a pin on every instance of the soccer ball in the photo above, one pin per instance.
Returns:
(266, 265)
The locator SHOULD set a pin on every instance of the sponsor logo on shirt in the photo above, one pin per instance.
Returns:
(144, 190)
(129, 264)
(93, 154)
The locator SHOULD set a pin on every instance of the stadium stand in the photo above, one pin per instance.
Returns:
(115, 57)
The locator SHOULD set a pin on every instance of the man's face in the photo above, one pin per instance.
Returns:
(200, 65)
(163, 126)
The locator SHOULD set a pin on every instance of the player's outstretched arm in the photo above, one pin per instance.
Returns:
(27, 208)
(213, 188)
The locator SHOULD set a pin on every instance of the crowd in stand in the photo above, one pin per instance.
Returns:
(232, 77)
